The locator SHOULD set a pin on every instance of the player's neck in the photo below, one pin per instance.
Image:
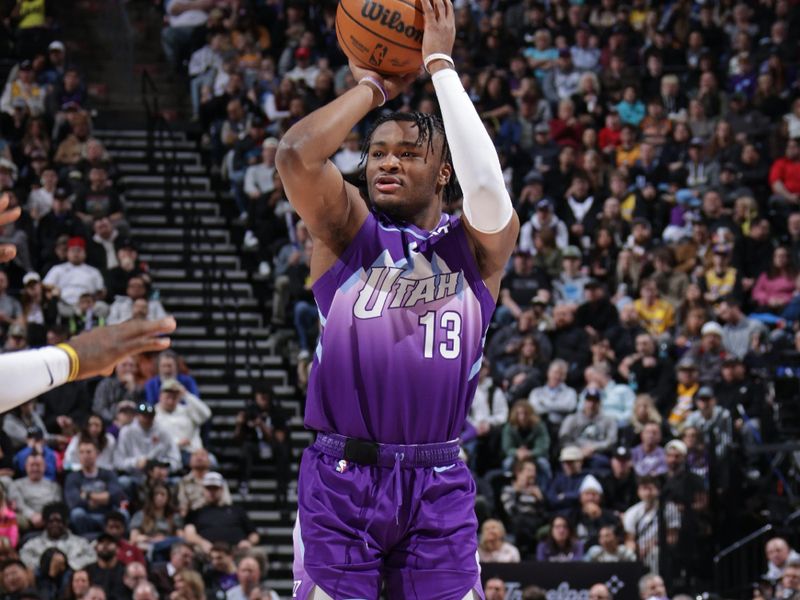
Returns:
(429, 218)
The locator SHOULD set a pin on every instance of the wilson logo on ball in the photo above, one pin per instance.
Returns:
(392, 19)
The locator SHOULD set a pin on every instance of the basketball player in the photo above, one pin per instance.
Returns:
(405, 294)
(30, 373)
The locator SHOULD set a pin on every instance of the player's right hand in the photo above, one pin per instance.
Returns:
(394, 86)
(100, 349)
(440, 27)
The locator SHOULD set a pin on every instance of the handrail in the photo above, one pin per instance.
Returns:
(745, 540)
(217, 288)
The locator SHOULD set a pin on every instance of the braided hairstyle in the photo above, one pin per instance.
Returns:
(428, 125)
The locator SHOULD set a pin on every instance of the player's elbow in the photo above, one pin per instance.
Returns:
(291, 155)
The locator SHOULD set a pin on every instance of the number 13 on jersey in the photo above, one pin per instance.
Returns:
(450, 325)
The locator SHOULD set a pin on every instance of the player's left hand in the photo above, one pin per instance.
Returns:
(440, 27)
(394, 85)
(7, 215)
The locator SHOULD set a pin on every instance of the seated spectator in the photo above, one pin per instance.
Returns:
(570, 342)
(644, 412)
(16, 579)
(32, 493)
(75, 277)
(656, 314)
(641, 522)
(652, 586)
(263, 432)
(135, 575)
(127, 552)
(73, 148)
(91, 492)
(99, 200)
(617, 399)
(145, 591)
(713, 422)
(519, 286)
(681, 486)
(249, 572)
(620, 484)
(220, 574)
(142, 440)
(122, 307)
(525, 436)
(774, 289)
(688, 384)
(101, 250)
(10, 308)
(189, 585)
(181, 414)
(8, 520)
(53, 574)
(113, 390)
(590, 515)
(95, 431)
(563, 490)
(649, 457)
(125, 415)
(95, 593)
(158, 525)
(592, 432)
(191, 492)
(23, 91)
(56, 535)
(560, 545)
(108, 572)
(487, 415)
(19, 420)
(649, 373)
(168, 365)
(524, 505)
(493, 547)
(554, 400)
(789, 585)
(218, 522)
(163, 574)
(35, 444)
(78, 585)
(609, 549)
(784, 177)
(128, 265)
(779, 556)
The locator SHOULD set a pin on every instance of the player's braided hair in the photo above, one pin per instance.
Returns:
(428, 125)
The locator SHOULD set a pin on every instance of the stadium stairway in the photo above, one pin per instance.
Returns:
(169, 240)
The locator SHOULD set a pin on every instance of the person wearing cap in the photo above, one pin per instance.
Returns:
(590, 515)
(25, 89)
(91, 492)
(688, 384)
(709, 353)
(181, 414)
(75, 277)
(191, 493)
(569, 286)
(142, 440)
(108, 572)
(562, 493)
(305, 69)
(712, 421)
(543, 217)
(617, 398)
(681, 486)
(579, 209)
(620, 484)
(219, 522)
(593, 432)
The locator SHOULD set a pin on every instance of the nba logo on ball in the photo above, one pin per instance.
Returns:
(382, 35)
(341, 466)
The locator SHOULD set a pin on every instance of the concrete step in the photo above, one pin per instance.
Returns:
(115, 134)
(158, 182)
(145, 168)
(206, 220)
(168, 259)
(143, 143)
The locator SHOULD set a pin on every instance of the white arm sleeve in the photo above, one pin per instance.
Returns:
(29, 373)
(487, 205)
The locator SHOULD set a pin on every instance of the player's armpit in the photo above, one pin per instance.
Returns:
(492, 251)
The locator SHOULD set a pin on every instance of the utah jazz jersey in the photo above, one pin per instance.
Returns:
(403, 317)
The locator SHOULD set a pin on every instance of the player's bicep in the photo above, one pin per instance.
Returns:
(318, 193)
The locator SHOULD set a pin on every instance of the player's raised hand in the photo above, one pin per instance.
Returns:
(440, 27)
(394, 85)
(7, 251)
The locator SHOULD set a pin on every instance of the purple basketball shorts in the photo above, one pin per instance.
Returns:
(391, 520)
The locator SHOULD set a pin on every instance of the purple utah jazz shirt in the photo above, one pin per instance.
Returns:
(403, 317)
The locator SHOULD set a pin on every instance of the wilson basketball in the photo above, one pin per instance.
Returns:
(381, 35)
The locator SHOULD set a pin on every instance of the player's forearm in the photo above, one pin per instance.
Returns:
(317, 137)
(487, 205)
(29, 373)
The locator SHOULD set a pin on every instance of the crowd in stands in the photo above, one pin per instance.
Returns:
(646, 341)
(107, 488)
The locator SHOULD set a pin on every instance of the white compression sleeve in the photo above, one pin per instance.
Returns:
(487, 205)
(29, 373)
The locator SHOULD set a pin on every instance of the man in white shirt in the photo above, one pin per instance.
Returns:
(304, 70)
(75, 277)
(122, 307)
(258, 178)
(185, 18)
(181, 414)
(555, 399)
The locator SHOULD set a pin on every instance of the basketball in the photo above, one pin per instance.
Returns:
(381, 35)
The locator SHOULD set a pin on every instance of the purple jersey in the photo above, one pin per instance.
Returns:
(403, 317)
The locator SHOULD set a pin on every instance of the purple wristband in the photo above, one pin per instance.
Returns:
(378, 85)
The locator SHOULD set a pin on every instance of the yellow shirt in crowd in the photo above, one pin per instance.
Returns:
(656, 319)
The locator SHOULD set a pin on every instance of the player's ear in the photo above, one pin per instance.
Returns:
(445, 173)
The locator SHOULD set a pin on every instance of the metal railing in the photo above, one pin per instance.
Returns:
(217, 292)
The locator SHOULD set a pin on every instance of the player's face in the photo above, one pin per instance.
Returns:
(404, 177)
